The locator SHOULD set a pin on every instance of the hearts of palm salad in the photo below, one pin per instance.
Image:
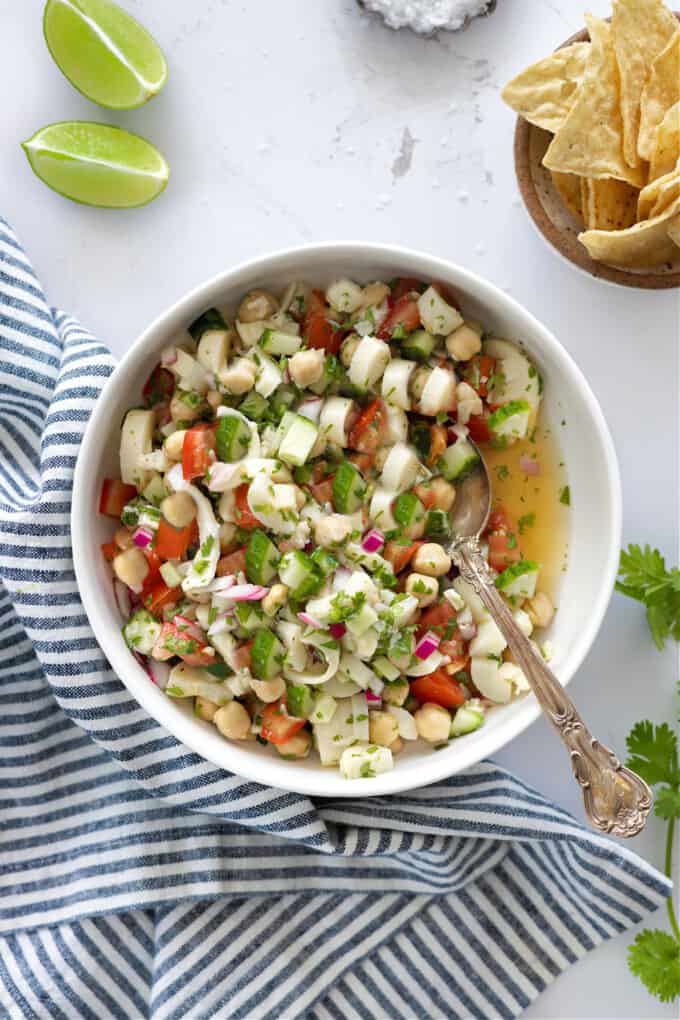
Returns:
(284, 501)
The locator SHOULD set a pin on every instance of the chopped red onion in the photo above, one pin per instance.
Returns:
(428, 644)
(189, 627)
(221, 584)
(529, 466)
(247, 592)
(142, 537)
(373, 541)
(373, 699)
(337, 630)
(309, 620)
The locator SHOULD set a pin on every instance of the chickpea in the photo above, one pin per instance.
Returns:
(540, 610)
(214, 398)
(373, 295)
(239, 377)
(431, 559)
(433, 723)
(464, 342)
(397, 745)
(269, 690)
(306, 367)
(382, 728)
(131, 567)
(227, 532)
(298, 746)
(256, 305)
(174, 443)
(424, 588)
(205, 709)
(395, 694)
(348, 348)
(178, 509)
(180, 411)
(233, 721)
(443, 492)
(418, 380)
(274, 599)
(123, 538)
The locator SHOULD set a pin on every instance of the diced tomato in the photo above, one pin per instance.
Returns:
(364, 461)
(198, 451)
(405, 313)
(369, 429)
(479, 428)
(155, 564)
(478, 373)
(178, 639)
(323, 491)
(504, 550)
(172, 543)
(110, 550)
(232, 563)
(318, 330)
(438, 437)
(241, 657)
(114, 495)
(406, 285)
(499, 521)
(440, 619)
(277, 727)
(159, 387)
(400, 555)
(244, 518)
(440, 688)
(158, 596)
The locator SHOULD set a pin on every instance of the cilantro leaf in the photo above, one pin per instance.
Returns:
(667, 803)
(644, 577)
(654, 957)
(653, 752)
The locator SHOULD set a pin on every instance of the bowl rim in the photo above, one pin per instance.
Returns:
(280, 774)
(565, 245)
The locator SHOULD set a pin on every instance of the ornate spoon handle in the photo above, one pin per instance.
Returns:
(616, 799)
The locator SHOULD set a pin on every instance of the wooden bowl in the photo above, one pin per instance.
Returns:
(558, 225)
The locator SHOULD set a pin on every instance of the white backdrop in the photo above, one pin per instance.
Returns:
(290, 120)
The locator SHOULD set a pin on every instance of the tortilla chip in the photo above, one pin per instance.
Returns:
(660, 93)
(674, 232)
(641, 29)
(667, 146)
(584, 199)
(544, 93)
(590, 142)
(568, 187)
(658, 195)
(610, 204)
(645, 244)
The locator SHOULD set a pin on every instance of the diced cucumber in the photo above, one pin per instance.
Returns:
(171, 575)
(254, 406)
(408, 509)
(283, 400)
(418, 346)
(249, 615)
(519, 580)
(362, 621)
(141, 631)
(155, 491)
(467, 719)
(437, 526)
(268, 376)
(232, 438)
(273, 341)
(298, 442)
(324, 707)
(457, 460)
(266, 655)
(384, 668)
(511, 421)
(300, 701)
(349, 488)
(212, 319)
(298, 572)
(262, 558)
(324, 562)
(332, 373)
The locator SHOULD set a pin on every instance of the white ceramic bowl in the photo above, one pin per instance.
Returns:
(595, 518)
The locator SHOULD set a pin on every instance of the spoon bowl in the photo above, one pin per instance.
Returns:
(470, 512)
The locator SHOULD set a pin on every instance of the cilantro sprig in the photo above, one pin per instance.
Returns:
(654, 956)
(643, 576)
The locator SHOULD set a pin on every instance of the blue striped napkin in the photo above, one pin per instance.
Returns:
(139, 881)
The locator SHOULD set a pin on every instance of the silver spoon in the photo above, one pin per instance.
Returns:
(616, 800)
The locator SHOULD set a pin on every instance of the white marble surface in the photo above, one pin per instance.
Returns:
(289, 120)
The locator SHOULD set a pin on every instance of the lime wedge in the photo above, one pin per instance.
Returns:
(104, 52)
(97, 164)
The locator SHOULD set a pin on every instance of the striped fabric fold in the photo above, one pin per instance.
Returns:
(139, 882)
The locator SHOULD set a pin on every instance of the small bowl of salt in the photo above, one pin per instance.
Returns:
(427, 17)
